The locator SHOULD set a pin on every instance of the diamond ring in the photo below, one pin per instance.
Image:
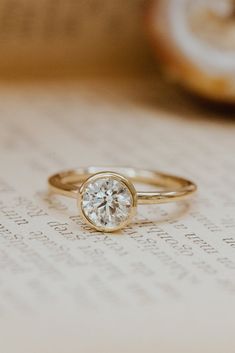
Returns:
(107, 198)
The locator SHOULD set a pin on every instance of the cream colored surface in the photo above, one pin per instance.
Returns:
(165, 283)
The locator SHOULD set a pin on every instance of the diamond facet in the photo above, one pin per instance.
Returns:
(106, 202)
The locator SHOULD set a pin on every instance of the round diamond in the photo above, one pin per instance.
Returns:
(106, 202)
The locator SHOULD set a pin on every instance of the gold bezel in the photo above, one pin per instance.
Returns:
(120, 178)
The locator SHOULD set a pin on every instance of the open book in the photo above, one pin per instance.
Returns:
(166, 283)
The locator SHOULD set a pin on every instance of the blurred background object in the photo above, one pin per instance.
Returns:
(195, 43)
(56, 36)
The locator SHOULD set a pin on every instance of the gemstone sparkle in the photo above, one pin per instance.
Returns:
(106, 202)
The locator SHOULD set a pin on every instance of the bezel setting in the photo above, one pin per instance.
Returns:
(104, 179)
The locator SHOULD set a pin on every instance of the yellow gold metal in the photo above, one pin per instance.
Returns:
(172, 188)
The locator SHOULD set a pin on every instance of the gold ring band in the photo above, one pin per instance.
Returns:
(107, 197)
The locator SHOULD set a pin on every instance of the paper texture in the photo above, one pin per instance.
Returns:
(167, 282)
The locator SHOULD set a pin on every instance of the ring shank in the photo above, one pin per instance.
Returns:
(176, 188)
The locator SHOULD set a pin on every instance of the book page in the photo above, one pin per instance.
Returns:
(167, 281)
